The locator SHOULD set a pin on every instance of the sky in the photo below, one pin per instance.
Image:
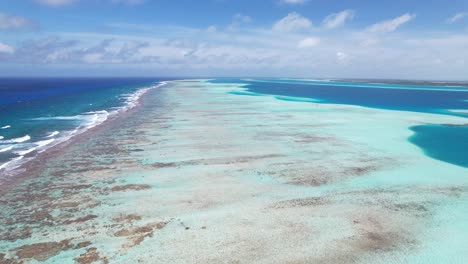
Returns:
(397, 39)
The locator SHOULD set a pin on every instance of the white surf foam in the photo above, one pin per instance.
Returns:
(77, 117)
(17, 140)
(5, 127)
(462, 111)
(88, 120)
(44, 143)
(12, 164)
(53, 134)
(36, 146)
(5, 149)
(24, 152)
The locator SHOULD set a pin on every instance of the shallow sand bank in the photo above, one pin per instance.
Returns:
(197, 174)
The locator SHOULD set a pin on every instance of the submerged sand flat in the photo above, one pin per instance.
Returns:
(202, 174)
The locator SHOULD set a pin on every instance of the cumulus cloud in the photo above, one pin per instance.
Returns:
(308, 42)
(457, 17)
(10, 22)
(390, 25)
(292, 22)
(338, 19)
(239, 20)
(55, 50)
(369, 41)
(242, 18)
(56, 3)
(342, 58)
(4, 48)
(212, 29)
(253, 51)
(42, 50)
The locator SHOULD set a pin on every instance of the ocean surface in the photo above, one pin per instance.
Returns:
(256, 171)
(443, 142)
(37, 113)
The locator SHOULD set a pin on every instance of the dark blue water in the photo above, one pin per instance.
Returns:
(439, 142)
(446, 143)
(431, 99)
(36, 112)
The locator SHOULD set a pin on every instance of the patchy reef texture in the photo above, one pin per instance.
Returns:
(207, 173)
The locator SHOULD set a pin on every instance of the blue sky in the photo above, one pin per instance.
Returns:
(279, 38)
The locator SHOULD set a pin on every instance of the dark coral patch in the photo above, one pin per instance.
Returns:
(13, 234)
(43, 251)
(83, 244)
(80, 219)
(302, 202)
(130, 187)
(91, 256)
(136, 235)
(127, 218)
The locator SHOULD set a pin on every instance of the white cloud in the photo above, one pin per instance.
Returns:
(293, 2)
(341, 55)
(457, 17)
(338, 19)
(177, 50)
(369, 41)
(93, 58)
(342, 58)
(292, 22)
(390, 25)
(9, 22)
(308, 42)
(212, 29)
(240, 18)
(56, 3)
(4, 48)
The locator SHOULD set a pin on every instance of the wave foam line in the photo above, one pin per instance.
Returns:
(91, 119)
(11, 162)
(53, 134)
(37, 145)
(45, 118)
(6, 149)
(17, 140)
(5, 127)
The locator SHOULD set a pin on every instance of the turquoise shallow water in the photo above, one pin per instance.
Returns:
(38, 112)
(197, 173)
(445, 143)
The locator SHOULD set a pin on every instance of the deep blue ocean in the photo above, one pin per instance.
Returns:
(36, 113)
(443, 142)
